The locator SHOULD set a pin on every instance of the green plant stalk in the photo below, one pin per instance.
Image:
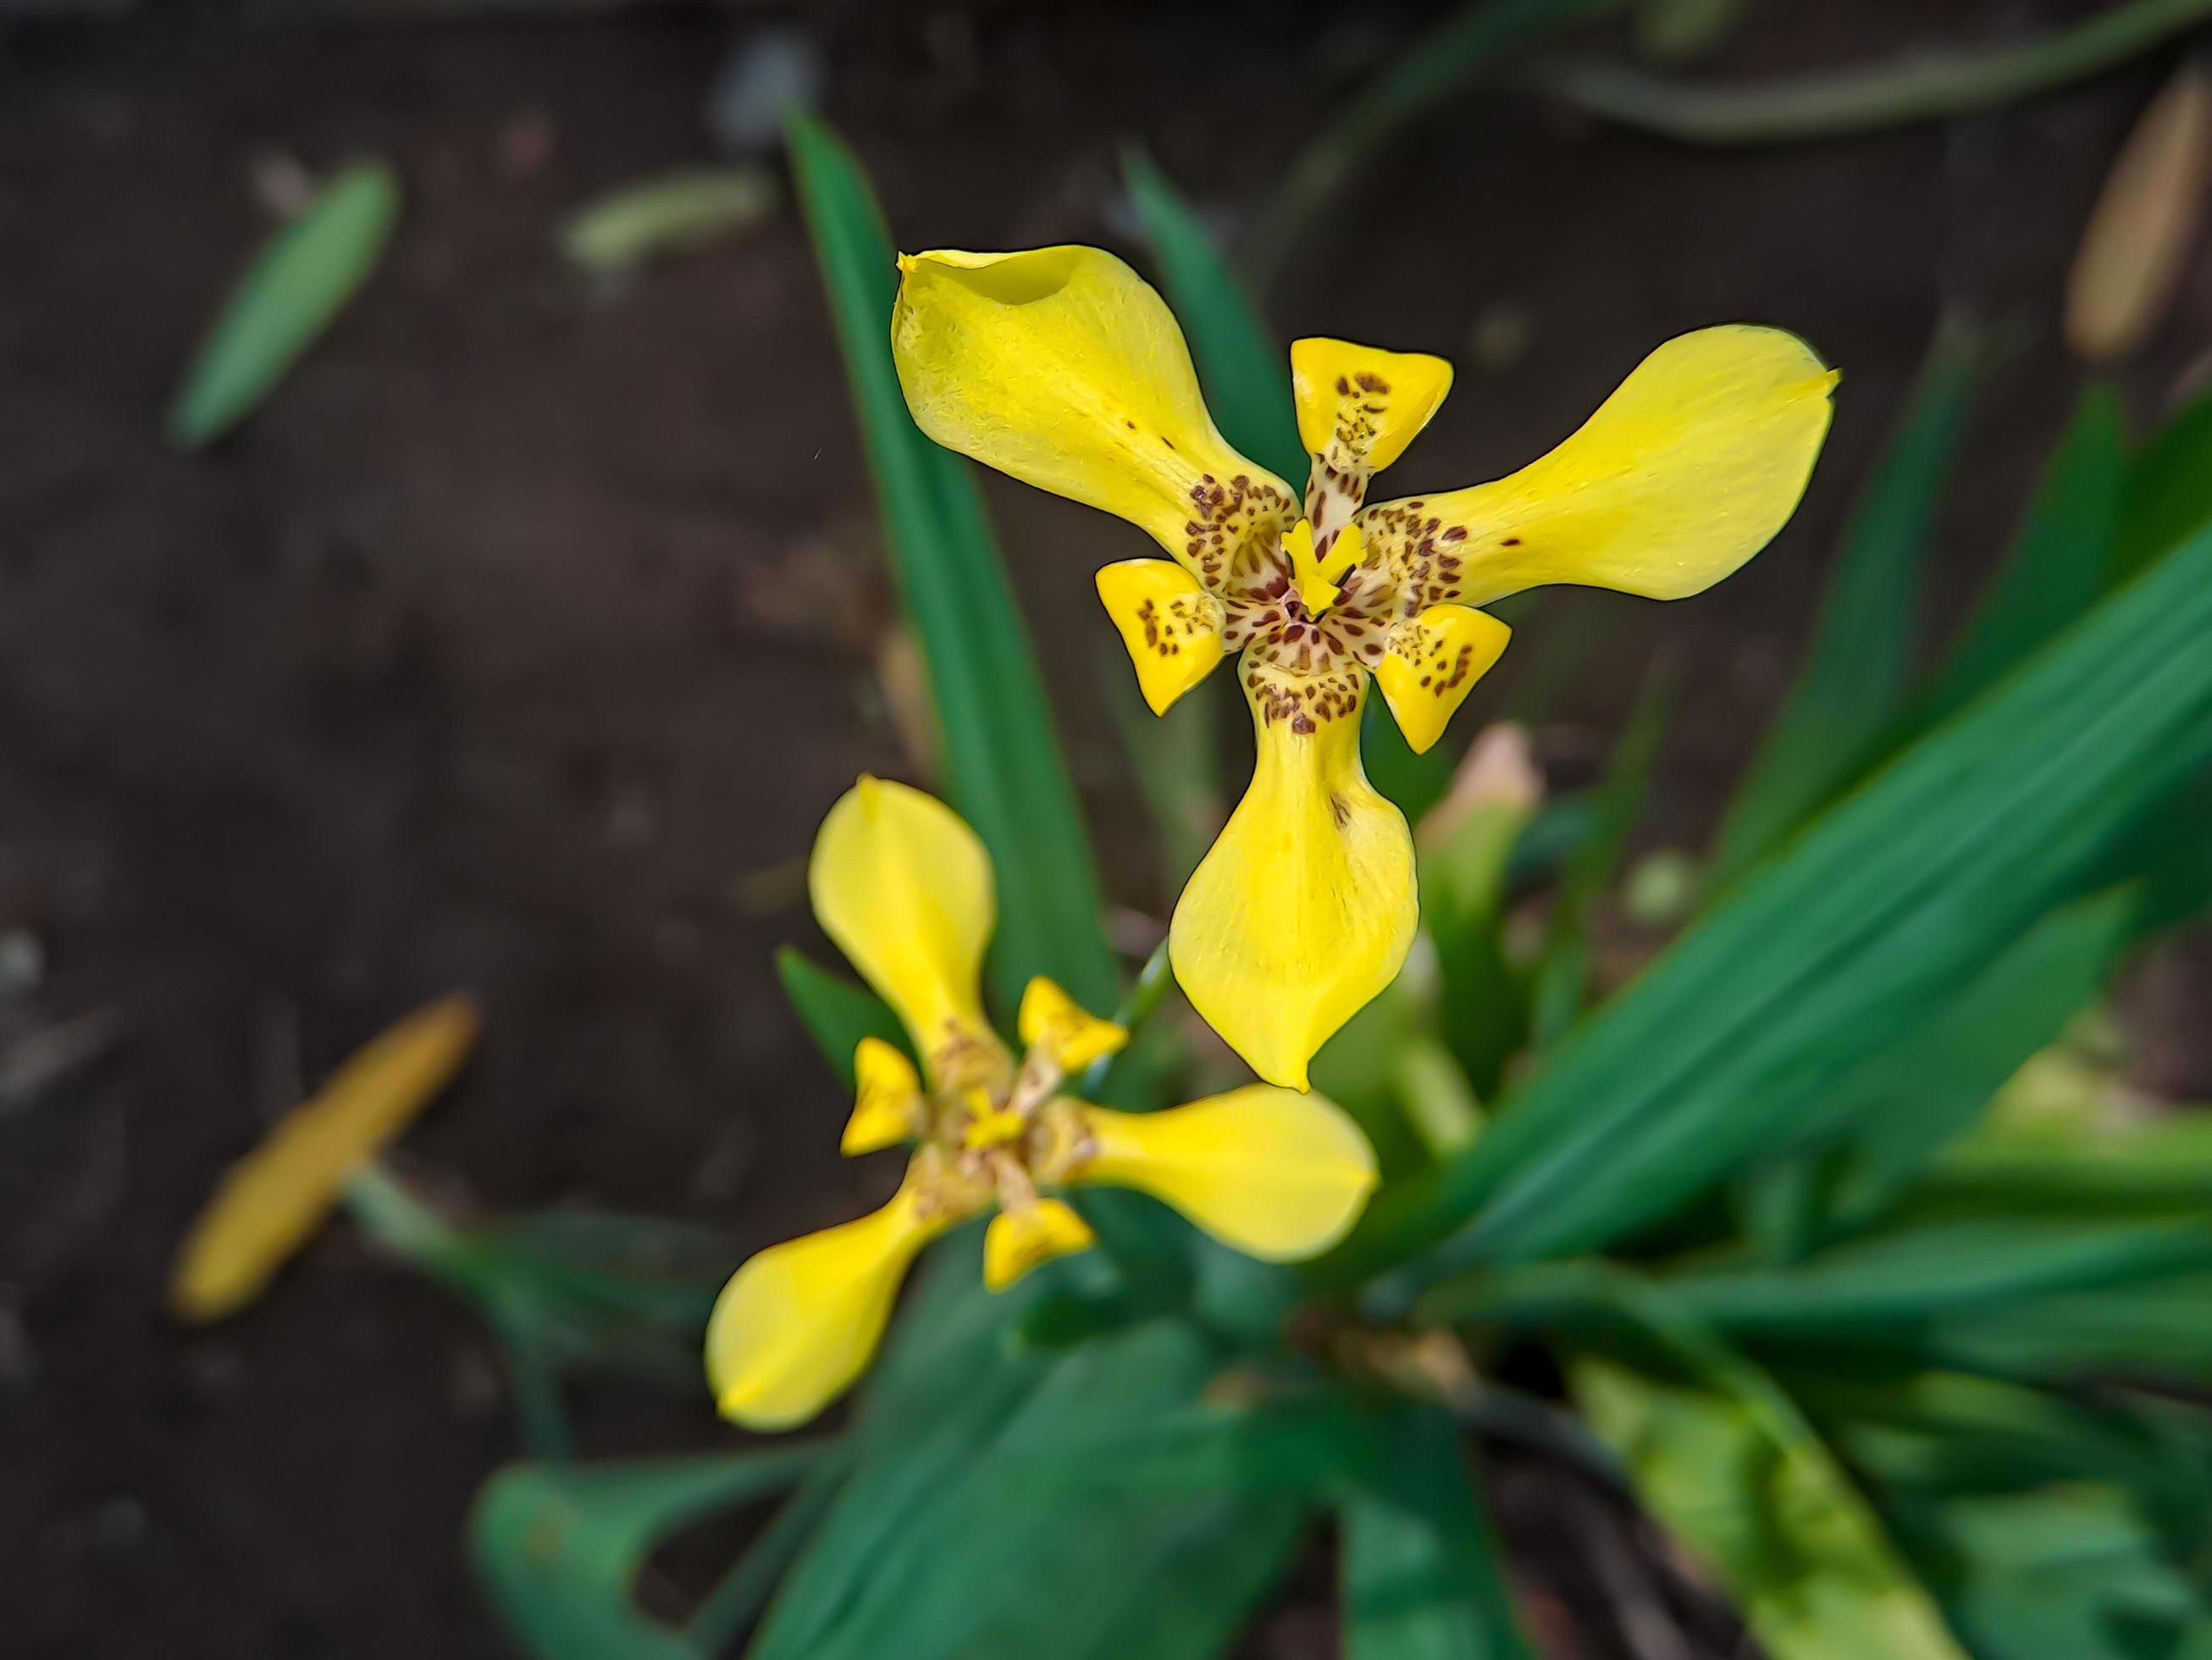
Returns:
(1470, 41)
(1932, 86)
(737, 1599)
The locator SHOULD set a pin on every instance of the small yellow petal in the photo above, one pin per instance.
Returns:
(275, 1197)
(1170, 623)
(1359, 406)
(1062, 368)
(1688, 470)
(888, 1106)
(1276, 1175)
(1070, 1033)
(799, 1321)
(904, 888)
(1029, 1237)
(1433, 662)
(1305, 907)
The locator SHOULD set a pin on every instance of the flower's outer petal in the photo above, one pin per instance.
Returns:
(888, 1107)
(1433, 661)
(1304, 908)
(1277, 1174)
(1075, 1036)
(275, 1197)
(797, 1323)
(1359, 406)
(904, 886)
(1170, 623)
(1062, 368)
(1688, 470)
(1029, 1237)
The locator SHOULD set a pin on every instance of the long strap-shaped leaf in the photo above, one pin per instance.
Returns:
(1002, 760)
(1890, 903)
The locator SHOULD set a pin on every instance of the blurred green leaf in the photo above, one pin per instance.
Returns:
(1562, 975)
(1737, 1476)
(837, 1013)
(2168, 497)
(1423, 1574)
(1894, 900)
(1672, 31)
(1178, 760)
(289, 297)
(559, 1546)
(1245, 371)
(1003, 761)
(1852, 681)
(1473, 39)
(673, 213)
(2060, 565)
(1924, 86)
(2144, 1170)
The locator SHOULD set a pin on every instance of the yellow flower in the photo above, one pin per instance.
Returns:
(904, 888)
(1062, 368)
(273, 1199)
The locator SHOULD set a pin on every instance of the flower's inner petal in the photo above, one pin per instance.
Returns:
(1305, 907)
(889, 1107)
(1062, 368)
(1171, 625)
(1432, 663)
(798, 1322)
(1274, 1174)
(904, 888)
(1028, 1236)
(1689, 469)
(1053, 1021)
(1359, 406)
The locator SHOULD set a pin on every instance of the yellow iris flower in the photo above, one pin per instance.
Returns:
(904, 888)
(1063, 369)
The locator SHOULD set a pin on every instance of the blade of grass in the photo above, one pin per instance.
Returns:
(1003, 761)
(1471, 39)
(1929, 87)
(286, 302)
(836, 1013)
(1853, 681)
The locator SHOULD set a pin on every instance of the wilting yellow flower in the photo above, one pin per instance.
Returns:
(904, 888)
(272, 1200)
(1062, 368)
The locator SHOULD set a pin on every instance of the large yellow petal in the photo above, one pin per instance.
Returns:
(1276, 1175)
(1305, 907)
(1062, 368)
(800, 1321)
(1433, 661)
(904, 886)
(1170, 623)
(1359, 406)
(276, 1196)
(1684, 473)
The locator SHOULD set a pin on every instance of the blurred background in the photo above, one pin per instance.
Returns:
(520, 640)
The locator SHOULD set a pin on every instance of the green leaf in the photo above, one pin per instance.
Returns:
(1853, 681)
(1671, 31)
(2169, 490)
(1003, 763)
(2059, 567)
(1245, 371)
(1890, 903)
(558, 1546)
(1474, 40)
(1423, 1577)
(1924, 86)
(1563, 969)
(1738, 1477)
(673, 213)
(1178, 760)
(295, 290)
(836, 1013)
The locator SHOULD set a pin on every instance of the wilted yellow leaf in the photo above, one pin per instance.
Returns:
(2139, 233)
(276, 1196)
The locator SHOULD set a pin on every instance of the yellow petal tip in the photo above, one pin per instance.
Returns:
(1360, 406)
(1433, 662)
(1029, 1237)
(1074, 1036)
(1168, 620)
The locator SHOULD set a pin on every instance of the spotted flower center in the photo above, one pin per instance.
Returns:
(997, 1133)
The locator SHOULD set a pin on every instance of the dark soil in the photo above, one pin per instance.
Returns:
(474, 659)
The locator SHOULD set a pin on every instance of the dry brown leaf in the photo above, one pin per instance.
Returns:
(2139, 234)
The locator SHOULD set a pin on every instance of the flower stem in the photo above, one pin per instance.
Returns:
(1926, 87)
